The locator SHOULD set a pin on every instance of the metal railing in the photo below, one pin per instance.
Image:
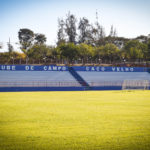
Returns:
(106, 83)
(58, 83)
(39, 84)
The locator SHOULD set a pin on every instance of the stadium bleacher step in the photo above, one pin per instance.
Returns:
(82, 82)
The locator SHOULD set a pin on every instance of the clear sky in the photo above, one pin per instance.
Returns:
(131, 18)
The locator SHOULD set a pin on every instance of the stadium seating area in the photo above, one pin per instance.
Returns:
(36, 78)
(71, 77)
(103, 78)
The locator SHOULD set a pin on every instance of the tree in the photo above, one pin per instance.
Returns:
(19, 57)
(71, 28)
(10, 47)
(144, 50)
(1, 45)
(56, 53)
(113, 32)
(118, 41)
(4, 58)
(142, 39)
(111, 38)
(84, 29)
(61, 32)
(26, 37)
(148, 50)
(10, 51)
(85, 52)
(69, 51)
(98, 53)
(98, 33)
(110, 52)
(38, 53)
(40, 38)
(135, 50)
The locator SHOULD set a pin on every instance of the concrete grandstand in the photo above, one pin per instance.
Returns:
(61, 78)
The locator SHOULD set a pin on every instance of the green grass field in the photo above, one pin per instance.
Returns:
(92, 120)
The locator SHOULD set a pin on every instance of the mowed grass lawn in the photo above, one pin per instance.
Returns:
(88, 120)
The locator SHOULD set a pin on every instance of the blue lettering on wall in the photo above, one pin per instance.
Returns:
(8, 67)
(77, 68)
(32, 68)
(112, 69)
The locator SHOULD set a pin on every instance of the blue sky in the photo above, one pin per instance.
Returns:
(131, 18)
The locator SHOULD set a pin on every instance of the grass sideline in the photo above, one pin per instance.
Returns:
(89, 120)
